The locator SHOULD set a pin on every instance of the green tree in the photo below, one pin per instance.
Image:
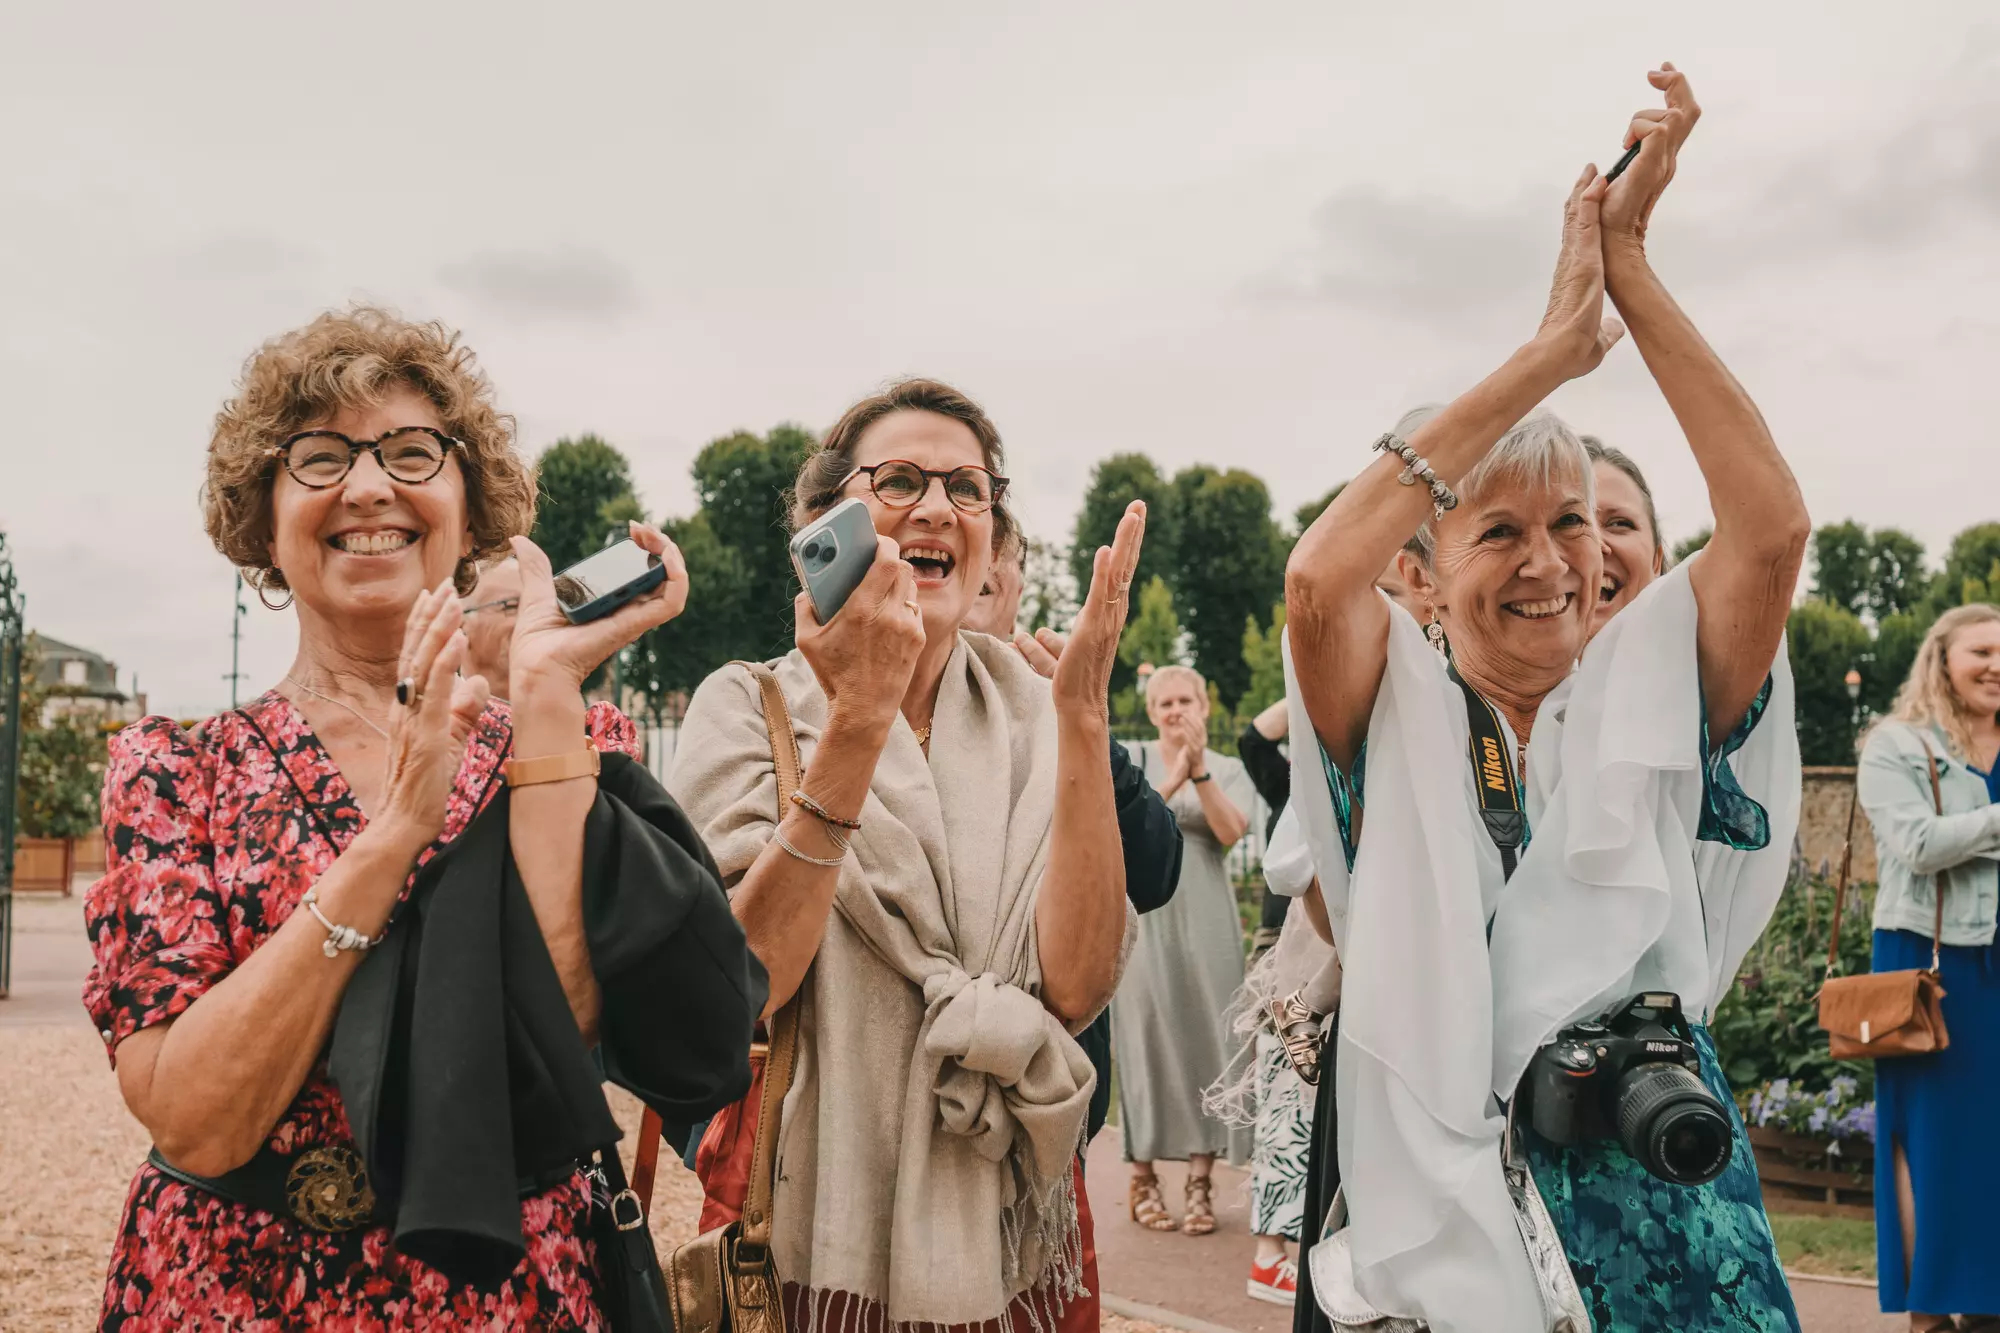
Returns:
(1048, 598)
(744, 483)
(1896, 569)
(1873, 574)
(1843, 572)
(1826, 642)
(583, 486)
(1229, 566)
(1687, 546)
(1263, 654)
(1971, 567)
(62, 762)
(1115, 483)
(1154, 632)
(713, 629)
(1897, 638)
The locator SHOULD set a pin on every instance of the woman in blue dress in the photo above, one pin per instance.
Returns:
(1672, 734)
(1937, 1162)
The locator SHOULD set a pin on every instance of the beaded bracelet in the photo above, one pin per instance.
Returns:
(1417, 468)
(822, 814)
(339, 937)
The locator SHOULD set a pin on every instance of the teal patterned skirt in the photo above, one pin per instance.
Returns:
(1649, 1255)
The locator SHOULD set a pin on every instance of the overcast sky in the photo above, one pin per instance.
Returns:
(1242, 234)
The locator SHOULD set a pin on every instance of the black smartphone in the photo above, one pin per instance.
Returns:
(599, 584)
(832, 554)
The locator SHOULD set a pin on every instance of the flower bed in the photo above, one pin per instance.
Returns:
(1815, 1150)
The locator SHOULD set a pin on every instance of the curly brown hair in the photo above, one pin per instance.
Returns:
(348, 359)
(818, 485)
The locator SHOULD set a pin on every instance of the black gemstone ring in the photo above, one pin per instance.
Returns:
(406, 692)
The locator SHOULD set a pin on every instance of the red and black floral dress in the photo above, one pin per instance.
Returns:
(212, 840)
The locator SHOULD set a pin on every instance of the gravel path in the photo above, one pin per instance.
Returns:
(69, 1149)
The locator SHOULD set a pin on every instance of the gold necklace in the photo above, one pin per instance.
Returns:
(338, 703)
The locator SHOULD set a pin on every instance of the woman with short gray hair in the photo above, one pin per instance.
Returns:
(1524, 938)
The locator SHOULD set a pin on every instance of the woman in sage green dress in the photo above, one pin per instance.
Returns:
(1168, 1021)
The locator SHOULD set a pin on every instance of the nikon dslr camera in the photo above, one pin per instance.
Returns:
(1635, 1076)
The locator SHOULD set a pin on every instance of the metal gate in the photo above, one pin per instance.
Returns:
(12, 649)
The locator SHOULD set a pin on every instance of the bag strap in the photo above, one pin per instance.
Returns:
(1494, 778)
(783, 1050)
(1840, 892)
(1937, 892)
(782, 1059)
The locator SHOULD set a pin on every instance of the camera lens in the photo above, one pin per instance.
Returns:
(1672, 1123)
(814, 552)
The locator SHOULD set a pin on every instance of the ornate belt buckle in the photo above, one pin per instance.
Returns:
(328, 1189)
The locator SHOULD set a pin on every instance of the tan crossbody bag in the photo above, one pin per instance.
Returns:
(726, 1281)
(1884, 1014)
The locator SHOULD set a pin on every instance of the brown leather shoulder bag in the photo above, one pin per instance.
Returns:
(1884, 1014)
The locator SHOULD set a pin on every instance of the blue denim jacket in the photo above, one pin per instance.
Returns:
(1915, 846)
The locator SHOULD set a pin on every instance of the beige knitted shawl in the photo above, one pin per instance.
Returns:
(924, 1166)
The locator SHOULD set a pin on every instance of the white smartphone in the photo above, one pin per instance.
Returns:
(832, 554)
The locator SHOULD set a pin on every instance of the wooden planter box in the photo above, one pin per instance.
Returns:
(43, 865)
(1799, 1176)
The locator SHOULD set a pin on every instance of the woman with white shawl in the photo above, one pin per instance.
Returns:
(948, 892)
(1456, 973)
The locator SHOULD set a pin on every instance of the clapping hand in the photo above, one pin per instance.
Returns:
(1082, 670)
(430, 726)
(1575, 329)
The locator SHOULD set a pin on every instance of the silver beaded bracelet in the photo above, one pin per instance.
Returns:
(339, 937)
(1417, 468)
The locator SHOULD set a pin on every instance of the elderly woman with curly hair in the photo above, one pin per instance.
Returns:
(360, 475)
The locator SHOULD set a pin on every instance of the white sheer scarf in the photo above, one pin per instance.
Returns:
(1436, 1025)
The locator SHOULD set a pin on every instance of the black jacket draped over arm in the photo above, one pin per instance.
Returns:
(465, 1078)
(1151, 838)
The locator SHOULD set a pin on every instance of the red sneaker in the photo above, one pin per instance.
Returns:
(1277, 1284)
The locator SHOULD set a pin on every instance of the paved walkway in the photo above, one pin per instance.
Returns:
(70, 1098)
(1201, 1278)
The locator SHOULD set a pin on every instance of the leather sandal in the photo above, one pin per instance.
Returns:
(1200, 1219)
(1932, 1323)
(1147, 1206)
(1298, 1029)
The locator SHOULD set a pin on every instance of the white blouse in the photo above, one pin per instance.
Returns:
(1620, 888)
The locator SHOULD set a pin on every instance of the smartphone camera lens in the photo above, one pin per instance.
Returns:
(819, 552)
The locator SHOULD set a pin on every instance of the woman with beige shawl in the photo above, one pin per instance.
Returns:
(947, 947)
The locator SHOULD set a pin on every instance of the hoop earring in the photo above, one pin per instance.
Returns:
(269, 605)
(1435, 633)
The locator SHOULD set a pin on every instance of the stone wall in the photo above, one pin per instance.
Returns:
(1823, 823)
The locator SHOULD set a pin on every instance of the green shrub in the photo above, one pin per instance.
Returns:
(1767, 1026)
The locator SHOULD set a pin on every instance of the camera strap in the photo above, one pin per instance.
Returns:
(1494, 778)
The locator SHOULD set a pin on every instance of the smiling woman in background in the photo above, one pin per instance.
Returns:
(362, 472)
(1937, 1168)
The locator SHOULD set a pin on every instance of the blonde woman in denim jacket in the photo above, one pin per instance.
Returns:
(1937, 1163)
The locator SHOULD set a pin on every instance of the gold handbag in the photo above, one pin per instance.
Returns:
(1884, 1014)
(727, 1279)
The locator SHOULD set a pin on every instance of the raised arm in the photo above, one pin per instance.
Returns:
(1744, 579)
(1338, 625)
(549, 661)
(863, 659)
(1080, 909)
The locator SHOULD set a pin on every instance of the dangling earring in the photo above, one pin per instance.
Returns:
(1435, 633)
(269, 605)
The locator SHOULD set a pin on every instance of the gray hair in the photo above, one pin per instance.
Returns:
(1537, 449)
(1600, 452)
